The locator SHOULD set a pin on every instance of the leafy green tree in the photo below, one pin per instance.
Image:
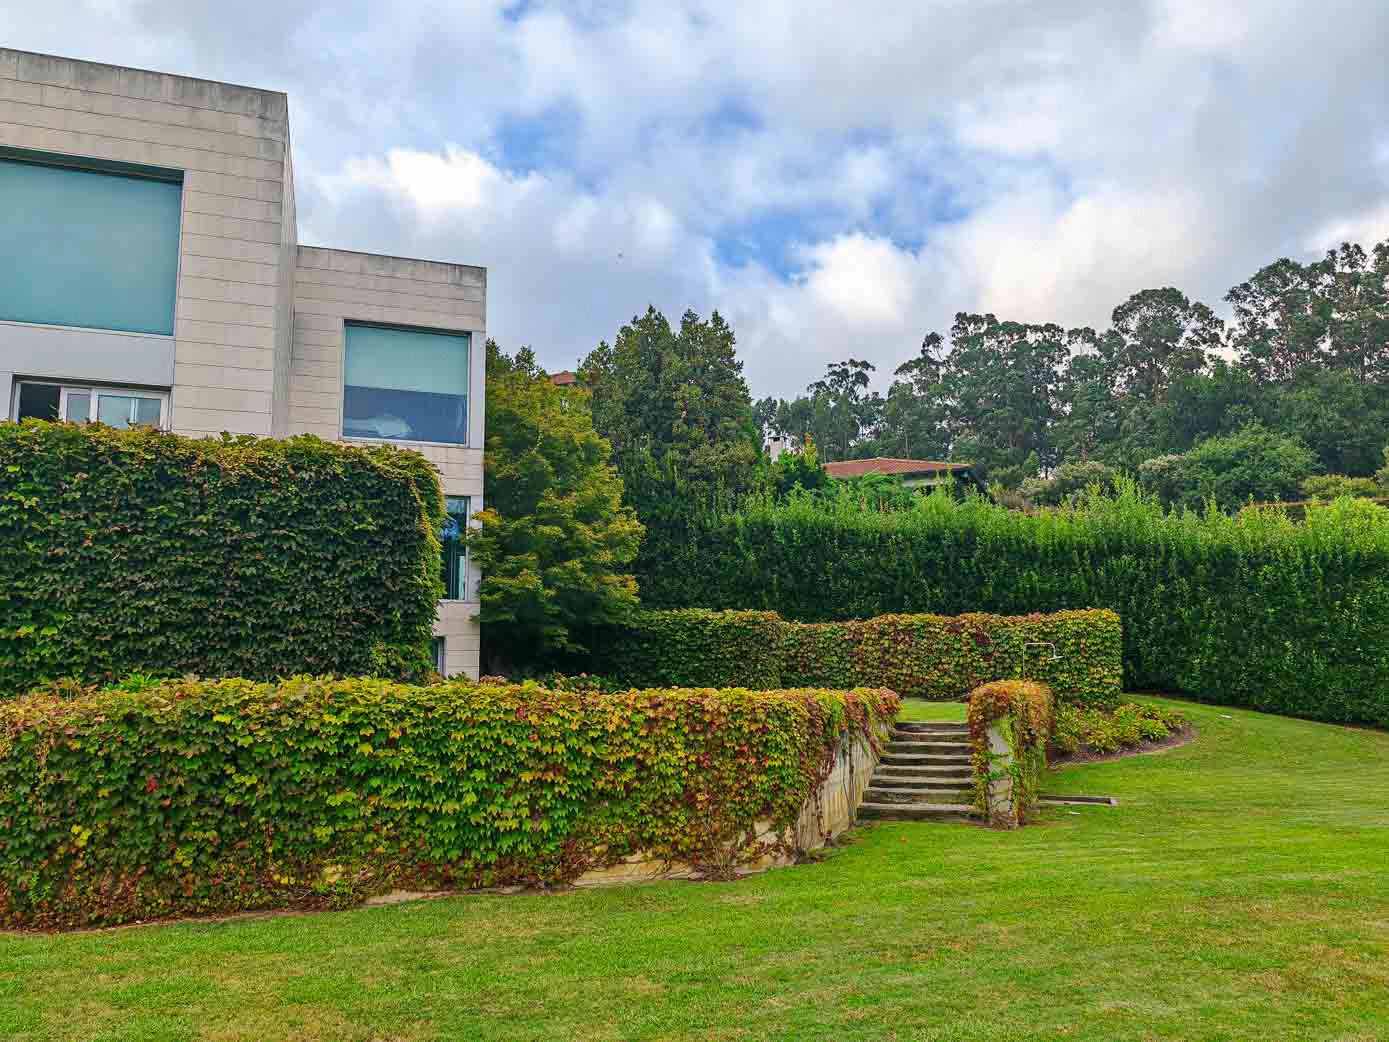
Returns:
(1338, 486)
(554, 543)
(1005, 380)
(675, 399)
(1254, 463)
(1069, 482)
(850, 408)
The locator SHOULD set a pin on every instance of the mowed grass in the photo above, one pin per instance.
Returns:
(920, 709)
(1240, 890)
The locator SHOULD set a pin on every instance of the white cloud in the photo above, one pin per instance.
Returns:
(908, 160)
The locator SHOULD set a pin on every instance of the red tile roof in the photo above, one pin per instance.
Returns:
(564, 378)
(853, 468)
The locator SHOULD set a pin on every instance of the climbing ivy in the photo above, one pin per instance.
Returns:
(1021, 711)
(189, 797)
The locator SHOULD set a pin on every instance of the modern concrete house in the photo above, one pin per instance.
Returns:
(150, 272)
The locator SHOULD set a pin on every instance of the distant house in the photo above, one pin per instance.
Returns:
(915, 473)
(566, 378)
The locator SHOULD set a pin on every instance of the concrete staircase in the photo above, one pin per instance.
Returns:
(925, 775)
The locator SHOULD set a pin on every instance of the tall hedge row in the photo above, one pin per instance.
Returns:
(1077, 653)
(693, 648)
(141, 551)
(194, 797)
(1252, 610)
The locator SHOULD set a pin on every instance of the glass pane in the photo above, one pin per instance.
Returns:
(455, 556)
(79, 407)
(114, 409)
(88, 248)
(38, 401)
(147, 411)
(405, 384)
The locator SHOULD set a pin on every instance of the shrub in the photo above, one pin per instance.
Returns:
(944, 658)
(921, 656)
(1250, 610)
(1252, 463)
(1093, 730)
(141, 551)
(193, 797)
(1020, 712)
(1334, 486)
(693, 648)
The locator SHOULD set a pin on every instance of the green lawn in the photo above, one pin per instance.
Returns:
(1239, 891)
(920, 709)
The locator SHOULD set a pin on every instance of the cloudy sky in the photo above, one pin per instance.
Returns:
(836, 178)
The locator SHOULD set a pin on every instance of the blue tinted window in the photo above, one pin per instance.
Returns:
(405, 385)
(88, 248)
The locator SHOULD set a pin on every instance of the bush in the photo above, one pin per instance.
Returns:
(1253, 463)
(1092, 730)
(921, 656)
(1252, 610)
(141, 551)
(944, 658)
(1021, 711)
(693, 648)
(196, 797)
(1334, 486)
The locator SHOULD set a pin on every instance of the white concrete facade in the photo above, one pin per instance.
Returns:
(258, 338)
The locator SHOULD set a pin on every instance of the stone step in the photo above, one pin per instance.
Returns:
(932, 727)
(917, 811)
(896, 759)
(897, 745)
(896, 794)
(929, 783)
(922, 774)
(925, 768)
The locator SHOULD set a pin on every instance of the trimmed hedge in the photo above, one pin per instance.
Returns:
(139, 551)
(694, 648)
(921, 656)
(941, 658)
(1253, 610)
(196, 797)
(1022, 711)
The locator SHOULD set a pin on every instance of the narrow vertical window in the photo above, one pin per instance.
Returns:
(455, 552)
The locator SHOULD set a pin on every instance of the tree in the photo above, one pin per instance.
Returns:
(851, 409)
(1069, 483)
(675, 400)
(554, 544)
(1005, 380)
(1254, 463)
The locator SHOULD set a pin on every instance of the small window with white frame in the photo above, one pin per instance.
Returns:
(80, 403)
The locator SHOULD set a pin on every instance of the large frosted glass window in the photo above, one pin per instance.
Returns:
(88, 248)
(405, 384)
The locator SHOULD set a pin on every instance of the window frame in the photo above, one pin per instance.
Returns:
(465, 586)
(470, 397)
(68, 388)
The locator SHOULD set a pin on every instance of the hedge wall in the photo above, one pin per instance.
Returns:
(1253, 610)
(944, 658)
(141, 551)
(193, 797)
(922, 656)
(693, 647)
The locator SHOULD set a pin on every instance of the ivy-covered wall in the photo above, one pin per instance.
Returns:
(1009, 724)
(140, 551)
(1078, 653)
(193, 797)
